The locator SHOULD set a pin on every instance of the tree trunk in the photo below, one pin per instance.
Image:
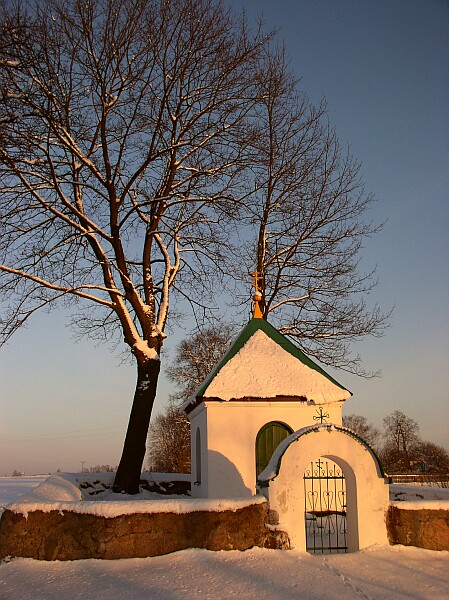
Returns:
(127, 478)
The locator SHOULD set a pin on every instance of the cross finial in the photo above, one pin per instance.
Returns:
(256, 277)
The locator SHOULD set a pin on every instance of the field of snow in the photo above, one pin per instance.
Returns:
(418, 496)
(11, 488)
(377, 573)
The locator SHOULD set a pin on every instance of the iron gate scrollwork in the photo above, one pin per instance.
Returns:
(325, 508)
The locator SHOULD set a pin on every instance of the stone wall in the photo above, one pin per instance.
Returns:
(423, 528)
(71, 536)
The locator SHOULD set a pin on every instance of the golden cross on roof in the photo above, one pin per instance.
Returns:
(256, 278)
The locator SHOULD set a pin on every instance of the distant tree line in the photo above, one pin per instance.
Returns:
(400, 446)
(17, 473)
(101, 469)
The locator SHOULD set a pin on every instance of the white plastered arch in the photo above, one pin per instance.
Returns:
(367, 489)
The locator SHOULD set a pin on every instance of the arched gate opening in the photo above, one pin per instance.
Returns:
(325, 507)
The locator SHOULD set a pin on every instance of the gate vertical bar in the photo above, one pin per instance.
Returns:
(337, 526)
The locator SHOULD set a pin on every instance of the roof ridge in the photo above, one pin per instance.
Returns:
(256, 324)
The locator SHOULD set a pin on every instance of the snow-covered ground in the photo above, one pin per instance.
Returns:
(11, 488)
(414, 496)
(377, 573)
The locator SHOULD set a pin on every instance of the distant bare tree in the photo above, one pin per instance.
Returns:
(196, 356)
(431, 458)
(169, 442)
(124, 128)
(307, 210)
(364, 429)
(401, 434)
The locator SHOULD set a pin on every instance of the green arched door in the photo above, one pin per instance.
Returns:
(268, 439)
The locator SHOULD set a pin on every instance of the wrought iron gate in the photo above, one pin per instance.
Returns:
(325, 508)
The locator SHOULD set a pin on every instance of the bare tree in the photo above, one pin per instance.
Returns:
(431, 458)
(139, 139)
(401, 434)
(169, 442)
(307, 210)
(124, 128)
(196, 356)
(364, 429)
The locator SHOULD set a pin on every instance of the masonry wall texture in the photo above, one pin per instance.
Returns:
(71, 536)
(423, 528)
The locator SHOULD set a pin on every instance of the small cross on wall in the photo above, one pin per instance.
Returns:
(321, 416)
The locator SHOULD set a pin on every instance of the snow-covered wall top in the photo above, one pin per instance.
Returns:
(264, 369)
(61, 493)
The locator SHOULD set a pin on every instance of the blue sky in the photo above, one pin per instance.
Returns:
(383, 67)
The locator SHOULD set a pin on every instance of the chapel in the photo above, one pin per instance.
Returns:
(264, 389)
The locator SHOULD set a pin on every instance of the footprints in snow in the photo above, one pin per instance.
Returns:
(347, 581)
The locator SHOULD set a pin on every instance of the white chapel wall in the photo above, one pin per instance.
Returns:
(228, 436)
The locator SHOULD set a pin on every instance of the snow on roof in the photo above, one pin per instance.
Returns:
(262, 363)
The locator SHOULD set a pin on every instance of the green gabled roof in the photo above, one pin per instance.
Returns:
(248, 331)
